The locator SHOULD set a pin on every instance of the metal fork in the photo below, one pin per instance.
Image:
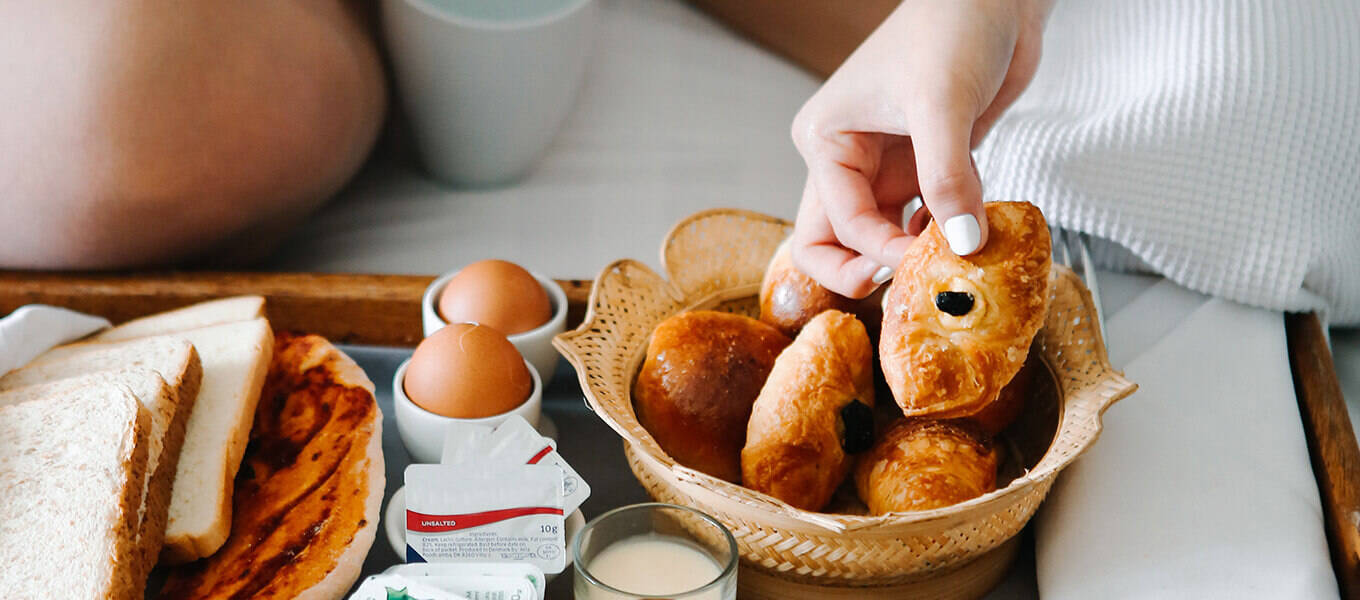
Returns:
(1073, 249)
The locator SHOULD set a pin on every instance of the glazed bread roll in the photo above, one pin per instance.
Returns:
(920, 464)
(815, 410)
(957, 328)
(789, 299)
(694, 393)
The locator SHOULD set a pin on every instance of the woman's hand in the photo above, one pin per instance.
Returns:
(897, 121)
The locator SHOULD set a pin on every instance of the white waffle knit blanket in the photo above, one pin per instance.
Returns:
(1218, 141)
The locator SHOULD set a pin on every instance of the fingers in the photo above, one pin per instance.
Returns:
(918, 221)
(845, 273)
(840, 174)
(816, 252)
(949, 182)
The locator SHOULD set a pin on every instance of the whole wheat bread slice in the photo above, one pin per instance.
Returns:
(71, 472)
(235, 358)
(195, 316)
(164, 377)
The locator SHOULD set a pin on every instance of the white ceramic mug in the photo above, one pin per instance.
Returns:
(487, 83)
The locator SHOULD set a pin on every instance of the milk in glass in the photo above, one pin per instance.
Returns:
(654, 566)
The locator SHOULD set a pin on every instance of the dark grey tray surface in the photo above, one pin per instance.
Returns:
(592, 448)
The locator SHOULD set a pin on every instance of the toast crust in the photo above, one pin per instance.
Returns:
(161, 492)
(127, 562)
(194, 316)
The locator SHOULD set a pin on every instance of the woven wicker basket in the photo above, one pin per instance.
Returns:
(715, 259)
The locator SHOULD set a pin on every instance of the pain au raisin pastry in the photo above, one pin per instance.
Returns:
(920, 464)
(789, 298)
(814, 412)
(956, 329)
(703, 371)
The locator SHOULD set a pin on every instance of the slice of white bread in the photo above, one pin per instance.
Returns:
(315, 481)
(71, 469)
(235, 358)
(194, 316)
(164, 374)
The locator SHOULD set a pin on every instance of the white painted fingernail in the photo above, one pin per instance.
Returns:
(963, 234)
(881, 275)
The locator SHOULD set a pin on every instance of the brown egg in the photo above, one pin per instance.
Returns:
(467, 371)
(498, 294)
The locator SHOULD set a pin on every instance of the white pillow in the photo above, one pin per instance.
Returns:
(1200, 485)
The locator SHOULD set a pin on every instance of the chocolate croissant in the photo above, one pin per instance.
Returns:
(956, 329)
(813, 413)
(703, 371)
(920, 464)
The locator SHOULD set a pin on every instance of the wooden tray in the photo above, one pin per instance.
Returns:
(1331, 444)
(380, 310)
(385, 310)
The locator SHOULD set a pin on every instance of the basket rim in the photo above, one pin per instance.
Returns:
(684, 224)
(565, 342)
(1085, 404)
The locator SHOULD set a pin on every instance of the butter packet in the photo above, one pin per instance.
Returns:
(439, 572)
(471, 587)
(493, 512)
(515, 441)
(518, 441)
(464, 443)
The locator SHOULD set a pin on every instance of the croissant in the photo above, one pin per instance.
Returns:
(813, 413)
(956, 329)
(920, 464)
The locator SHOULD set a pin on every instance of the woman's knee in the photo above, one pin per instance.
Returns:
(201, 125)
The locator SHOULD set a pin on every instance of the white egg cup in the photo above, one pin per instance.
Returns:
(423, 432)
(535, 345)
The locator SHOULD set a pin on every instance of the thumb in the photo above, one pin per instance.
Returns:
(949, 182)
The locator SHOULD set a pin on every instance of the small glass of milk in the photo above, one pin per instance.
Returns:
(655, 550)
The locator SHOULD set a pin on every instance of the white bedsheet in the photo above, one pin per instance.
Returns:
(677, 115)
(1200, 485)
(1215, 139)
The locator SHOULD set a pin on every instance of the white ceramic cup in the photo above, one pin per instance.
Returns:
(487, 83)
(423, 432)
(535, 345)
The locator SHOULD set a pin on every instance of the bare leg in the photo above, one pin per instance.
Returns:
(148, 132)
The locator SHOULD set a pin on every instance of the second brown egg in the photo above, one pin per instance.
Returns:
(498, 294)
